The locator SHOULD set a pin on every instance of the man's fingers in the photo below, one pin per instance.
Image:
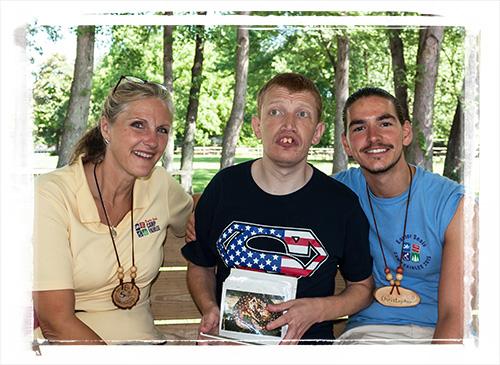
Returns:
(280, 307)
(278, 322)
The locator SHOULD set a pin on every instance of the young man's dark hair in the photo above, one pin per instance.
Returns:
(372, 91)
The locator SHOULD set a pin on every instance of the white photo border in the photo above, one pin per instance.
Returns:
(17, 193)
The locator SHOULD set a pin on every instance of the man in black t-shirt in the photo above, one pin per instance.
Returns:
(280, 215)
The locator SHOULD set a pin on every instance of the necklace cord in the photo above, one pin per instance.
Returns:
(404, 226)
(376, 225)
(406, 217)
(132, 234)
(109, 225)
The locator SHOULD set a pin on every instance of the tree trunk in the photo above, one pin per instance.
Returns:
(233, 126)
(168, 81)
(341, 94)
(75, 122)
(192, 112)
(420, 151)
(454, 162)
(399, 70)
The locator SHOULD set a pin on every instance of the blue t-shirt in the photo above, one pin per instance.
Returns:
(433, 203)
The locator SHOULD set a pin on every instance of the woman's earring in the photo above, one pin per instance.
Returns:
(106, 140)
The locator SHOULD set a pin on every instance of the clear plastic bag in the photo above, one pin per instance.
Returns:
(245, 296)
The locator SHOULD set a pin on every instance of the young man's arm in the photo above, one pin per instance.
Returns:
(201, 283)
(303, 313)
(449, 327)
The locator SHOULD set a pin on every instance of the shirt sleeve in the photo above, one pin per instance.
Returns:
(202, 252)
(180, 205)
(451, 194)
(356, 264)
(52, 256)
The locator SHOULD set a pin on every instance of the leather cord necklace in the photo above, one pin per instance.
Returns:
(385, 295)
(126, 294)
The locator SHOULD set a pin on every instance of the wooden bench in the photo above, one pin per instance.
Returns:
(174, 311)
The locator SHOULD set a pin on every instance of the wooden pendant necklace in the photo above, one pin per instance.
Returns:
(126, 294)
(394, 295)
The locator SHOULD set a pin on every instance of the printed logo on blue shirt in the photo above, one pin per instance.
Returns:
(146, 227)
(414, 252)
(411, 252)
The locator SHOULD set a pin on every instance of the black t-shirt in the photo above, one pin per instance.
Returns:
(306, 234)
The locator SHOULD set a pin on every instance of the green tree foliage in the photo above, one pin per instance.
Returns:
(134, 50)
(138, 50)
(370, 58)
(51, 95)
(449, 83)
(134, 47)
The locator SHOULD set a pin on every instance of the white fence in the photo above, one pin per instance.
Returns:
(315, 153)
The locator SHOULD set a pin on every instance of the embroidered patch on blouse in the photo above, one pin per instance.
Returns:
(147, 227)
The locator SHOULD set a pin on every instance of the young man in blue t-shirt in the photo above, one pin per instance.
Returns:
(416, 230)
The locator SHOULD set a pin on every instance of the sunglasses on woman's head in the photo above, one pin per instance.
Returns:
(136, 80)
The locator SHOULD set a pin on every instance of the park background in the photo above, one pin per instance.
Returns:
(17, 165)
(213, 73)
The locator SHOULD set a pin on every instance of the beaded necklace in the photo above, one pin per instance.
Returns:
(385, 295)
(126, 294)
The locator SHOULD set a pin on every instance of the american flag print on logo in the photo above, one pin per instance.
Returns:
(289, 251)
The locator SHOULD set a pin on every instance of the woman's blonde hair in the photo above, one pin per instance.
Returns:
(92, 145)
